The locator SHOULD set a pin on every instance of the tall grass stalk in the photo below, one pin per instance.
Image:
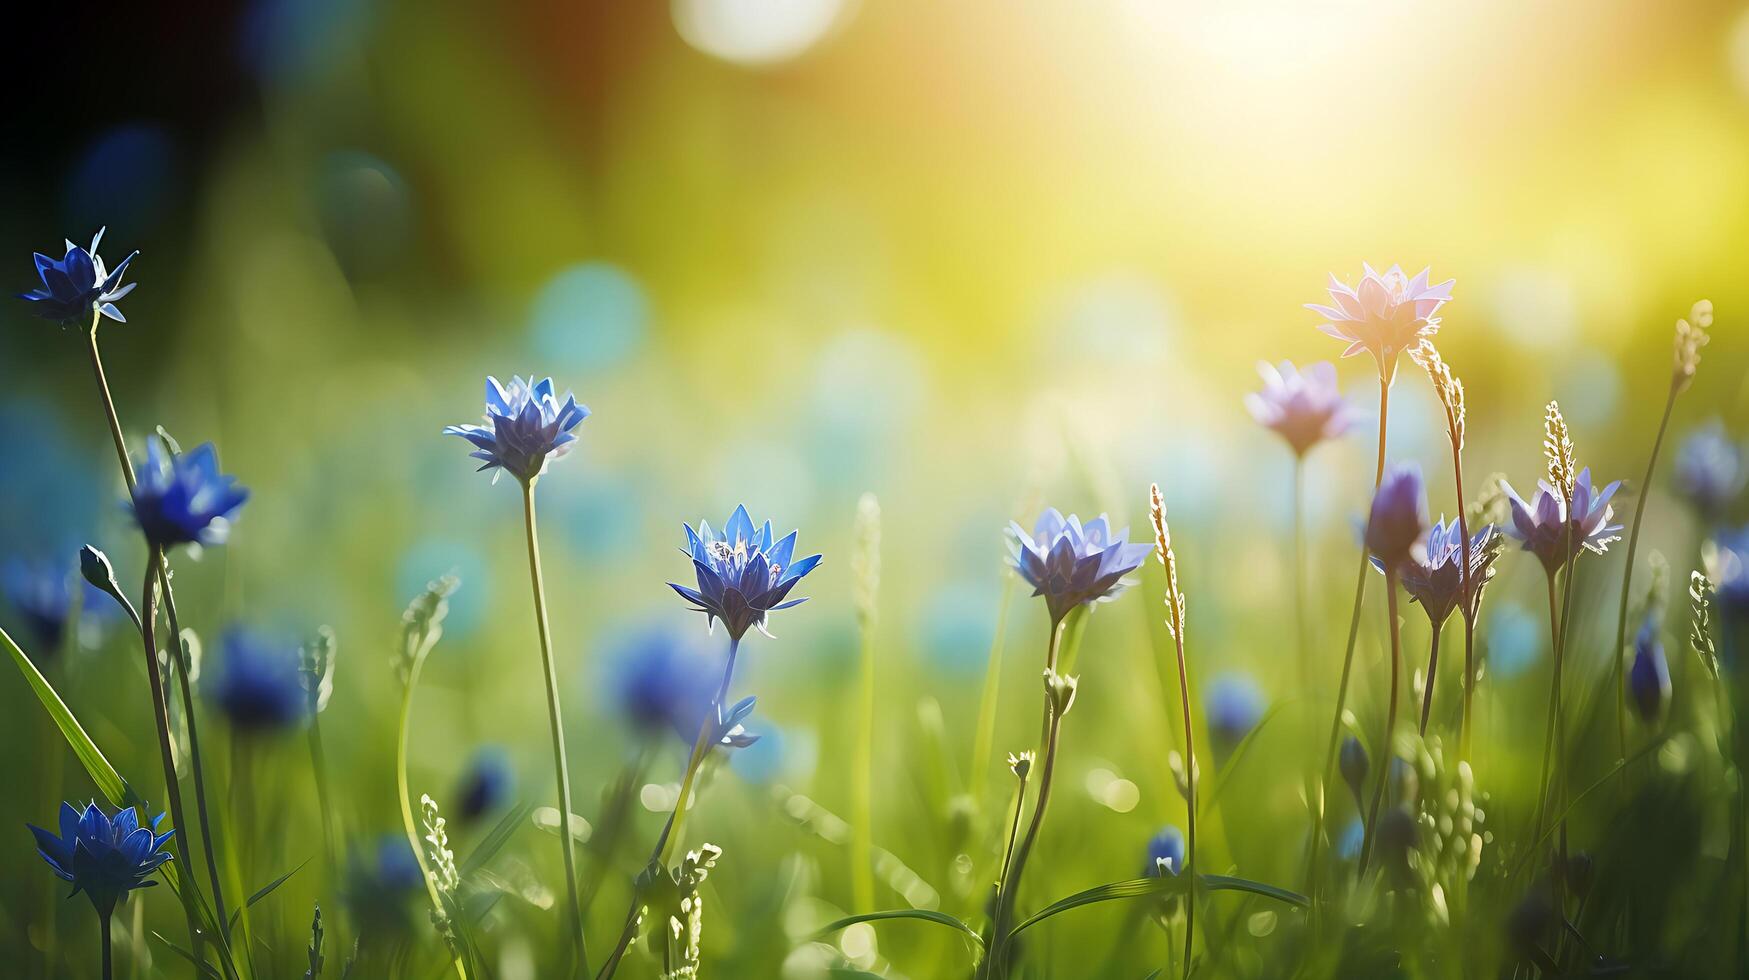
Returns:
(983, 741)
(1175, 603)
(1370, 830)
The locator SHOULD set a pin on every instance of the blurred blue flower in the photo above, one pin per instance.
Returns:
(1728, 566)
(1165, 853)
(486, 785)
(259, 687)
(1353, 836)
(527, 424)
(1542, 529)
(660, 679)
(78, 284)
(1071, 565)
(1649, 677)
(1233, 704)
(1709, 470)
(103, 857)
(1435, 578)
(40, 595)
(1513, 637)
(742, 575)
(380, 879)
(183, 498)
(1354, 765)
(1399, 515)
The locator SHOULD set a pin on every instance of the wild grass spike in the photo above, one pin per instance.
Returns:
(1558, 451)
(1691, 336)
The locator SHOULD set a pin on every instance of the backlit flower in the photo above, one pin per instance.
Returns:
(1432, 575)
(743, 576)
(260, 686)
(77, 284)
(1385, 314)
(1398, 517)
(1303, 407)
(103, 857)
(183, 498)
(1071, 565)
(1709, 470)
(527, 425)
(1542, 528)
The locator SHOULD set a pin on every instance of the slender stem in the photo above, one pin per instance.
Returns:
(325, 802)
(161, 716)
(1470, 603)
(1371, 830)
(862, 841)
(1627, 578)
(121, 445)
(103, 927)
(404, 794)
(1014, 825)
(561, 767)
(1190, 779)
(1347, 661)
(1554, 707)
(1299, 506)
(1432, 672)
(616, 814)
(985, 738)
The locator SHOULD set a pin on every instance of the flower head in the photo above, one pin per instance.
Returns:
(260, 686)
(183, 498)
(1233, 704)
(527, 425)
(1727, 562)
(103, 857)
(41, 597)
(1433, 573)
(1165, 853)
(743, 576)
(1709, 469)
(486, 785)
(1398, 517)
(662, 679)
(1354, 765)
(77, 285)
(1649, 677)
(1385, 314)
(1303, 407)
(1071, 565)
(1542, 528)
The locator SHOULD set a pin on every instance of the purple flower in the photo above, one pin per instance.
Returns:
(183, 498)
(1433, 574)
(77, 285)
(1709, 470)
(526, 426)
(1303, 407)
(1071, 565)
(1398, 517)
(1542, 528)
(1649, 677)
(743, 576)
(1386, 314)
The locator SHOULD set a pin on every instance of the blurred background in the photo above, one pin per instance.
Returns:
(975, 258)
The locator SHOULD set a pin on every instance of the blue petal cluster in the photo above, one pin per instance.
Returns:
(1073, 565)
(1398, 517)
(103, 857)
(1542, 528)
(486, 785)
(183, 498)
(1435, 578)
(41, 598)
(1709, 470)
(259, 687)
(77, 284)
(742, 575)
(660, 680)
(1233, 705)
(1165, 853)
(1354, 764)
(1649, 677)
(527, 425)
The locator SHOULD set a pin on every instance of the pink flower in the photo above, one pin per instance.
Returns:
(1303, 407)
(1387, 314)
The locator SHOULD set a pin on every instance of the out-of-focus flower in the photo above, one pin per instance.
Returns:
(1433, 573)
(1649, 677)
(1354, 765)
(660, 679)
(742, 575)
(1071, 565)
(1398, 517)
(1727, 562)
(77, 284)
(1385, 314)
(1709, 470)
(260, 686)
(1303, 407)
(486, 785)
(1165, 853)
(380, 879)
(1233, 704)
(1542, 529)
(183, 498)
(103, 857)
(527, 425)
(41, 598)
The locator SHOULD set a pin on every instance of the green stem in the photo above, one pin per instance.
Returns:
(1432, 672)
(561, 767)
(324, 802)
(1627, 578)
(862, 841)
(984, 741)
(1190, 779)
(406, 799)
(1554, 708)
(1371, 829)
(103, 927)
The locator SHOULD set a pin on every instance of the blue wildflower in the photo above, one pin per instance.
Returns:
(742, 575)
(41, 597)
(1649, 677)
(1727, 561)
(527, 425)
(1071, 565)
(1542, 528)
(1165, 853)
(1398, 517)
(1433, 575)
(182, 498)
(103, 857)
(379, 880)
(1233, 704)
(260, 687)
(661, 679)
(1709, 470)
(486, 785)
(77, 285)
(1354, 765)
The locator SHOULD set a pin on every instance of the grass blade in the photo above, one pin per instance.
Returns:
(266, 890)
(927, 915)
(1167, 885)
